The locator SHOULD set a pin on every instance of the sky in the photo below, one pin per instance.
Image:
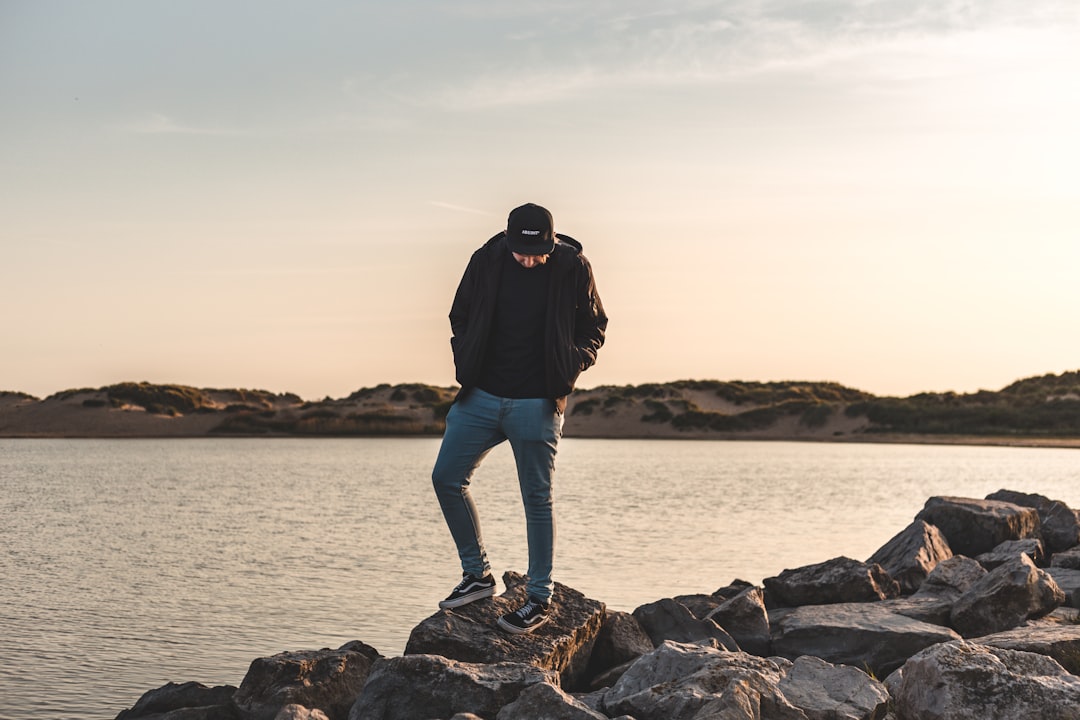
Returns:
(283, 195)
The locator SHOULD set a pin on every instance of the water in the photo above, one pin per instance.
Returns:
(126, 564)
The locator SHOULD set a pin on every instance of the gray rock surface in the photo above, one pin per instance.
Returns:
(928, 609)
(429, 686)
(669, 620)
(951, 578)
(1006, 551)
(964, 681)
(864, 635)
(299, 712)
(1059, 641)
(912, 554)
(681, 681)
(1068, 559)
(833, 692)
(547, 702)
(1060, 525)
(1004, 598)
(178, 696)
(973, 527)
(840, 580)
(1069, 582)
(326, 680)
(744, 617)
(701, 605)
(678, 681)
(470, 633)
(621, 639)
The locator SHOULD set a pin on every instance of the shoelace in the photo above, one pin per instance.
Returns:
(526, 609)
(464, 582)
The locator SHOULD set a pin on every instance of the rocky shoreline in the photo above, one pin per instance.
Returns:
(969, 612)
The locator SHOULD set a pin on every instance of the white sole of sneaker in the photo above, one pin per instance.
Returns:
(466, 599)
(519, 630)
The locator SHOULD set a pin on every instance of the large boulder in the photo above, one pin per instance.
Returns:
(1004, 598)
(470, 633)
(912, 554)
(973, 526)
(1060, 524)
(621, 639)
(746, 620)
(677, 682)
(299, 712)
(191, 696)
(547, 702)
(962, 681)
(1059, 641)
(429, 686)
(951, 579)
(1069, 559)
(1069, 582)
(327, 680)
(840, 580)
(864, 635)
(701, 605)
(1006, 551)
(832, 692)
(667, 619)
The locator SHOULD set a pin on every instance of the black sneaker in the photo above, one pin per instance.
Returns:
(469, 589)
(530, 616)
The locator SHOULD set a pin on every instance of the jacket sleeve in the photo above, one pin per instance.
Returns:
(461, 307)
(590, 322)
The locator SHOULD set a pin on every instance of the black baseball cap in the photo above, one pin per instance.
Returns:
(530, 230)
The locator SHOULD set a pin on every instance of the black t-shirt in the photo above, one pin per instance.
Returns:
(514, 364)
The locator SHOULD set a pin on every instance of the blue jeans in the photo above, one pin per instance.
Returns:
(474, 426)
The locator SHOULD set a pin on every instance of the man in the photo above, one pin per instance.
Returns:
(526, 321)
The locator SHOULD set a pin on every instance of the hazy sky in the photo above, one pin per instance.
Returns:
(283, 195)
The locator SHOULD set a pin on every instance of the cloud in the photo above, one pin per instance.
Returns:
(459, 208)
(564, 54)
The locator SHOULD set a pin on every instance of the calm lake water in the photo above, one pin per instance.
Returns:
(126, 564)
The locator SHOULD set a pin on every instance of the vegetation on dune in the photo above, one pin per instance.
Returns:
(1044, 406)
(1048, 405)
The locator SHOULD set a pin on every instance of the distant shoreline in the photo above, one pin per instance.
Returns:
(864, 439)
(1041, 412)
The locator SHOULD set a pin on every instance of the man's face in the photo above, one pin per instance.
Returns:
(530, 261)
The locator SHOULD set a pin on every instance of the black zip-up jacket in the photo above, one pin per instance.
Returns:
(576, 322)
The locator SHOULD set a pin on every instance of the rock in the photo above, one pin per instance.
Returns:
(912, 554)
(1069, 559)
(1004, 598)
(1060, 525)
(839, 580)
(326, 680)
(1061, 642)
(429, 686)
(1032, 547)
(547, 702)
(702, 605)
(621, 639)
(833, 692)
(299, 712)
(951, 578)
(933, 610)
(961, 680)
(863, 635)
(1069, 582)
(470, 634)
(680, 681)
(746, 620)
(973, 527)
(668, 620)
(177, 696)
